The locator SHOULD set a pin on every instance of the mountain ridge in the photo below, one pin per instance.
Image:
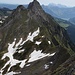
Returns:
(29, 33)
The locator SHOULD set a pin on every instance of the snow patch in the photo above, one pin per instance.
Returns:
(43, 36)
(52, 54)
(1, 21)
(1, 71)
(12, 73)
(12, 49)
(28, 65)
(20, 41)
(49, 42)
(21, 51)
(37, 42)
(46, 66)
(23, 63)
(36, 55)
(51, 62)
(30, 36)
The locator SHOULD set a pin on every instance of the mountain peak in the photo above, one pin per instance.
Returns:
(18, 10)
(36, 9)
(35, 0)
(21, 7)
(34, 5)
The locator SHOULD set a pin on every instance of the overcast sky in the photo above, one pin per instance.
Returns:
(45, 2)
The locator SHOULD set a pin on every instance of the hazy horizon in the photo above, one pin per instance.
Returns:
(45, 2)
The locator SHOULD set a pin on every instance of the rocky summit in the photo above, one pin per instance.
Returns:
(33, 43)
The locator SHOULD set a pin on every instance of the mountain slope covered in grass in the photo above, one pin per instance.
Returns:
(68, 26)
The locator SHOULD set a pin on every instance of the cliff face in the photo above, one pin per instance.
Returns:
(32, 43)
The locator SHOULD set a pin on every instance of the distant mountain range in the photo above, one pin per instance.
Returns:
(60, 11)
(72, 20)
(10, 6)
(57, 5)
